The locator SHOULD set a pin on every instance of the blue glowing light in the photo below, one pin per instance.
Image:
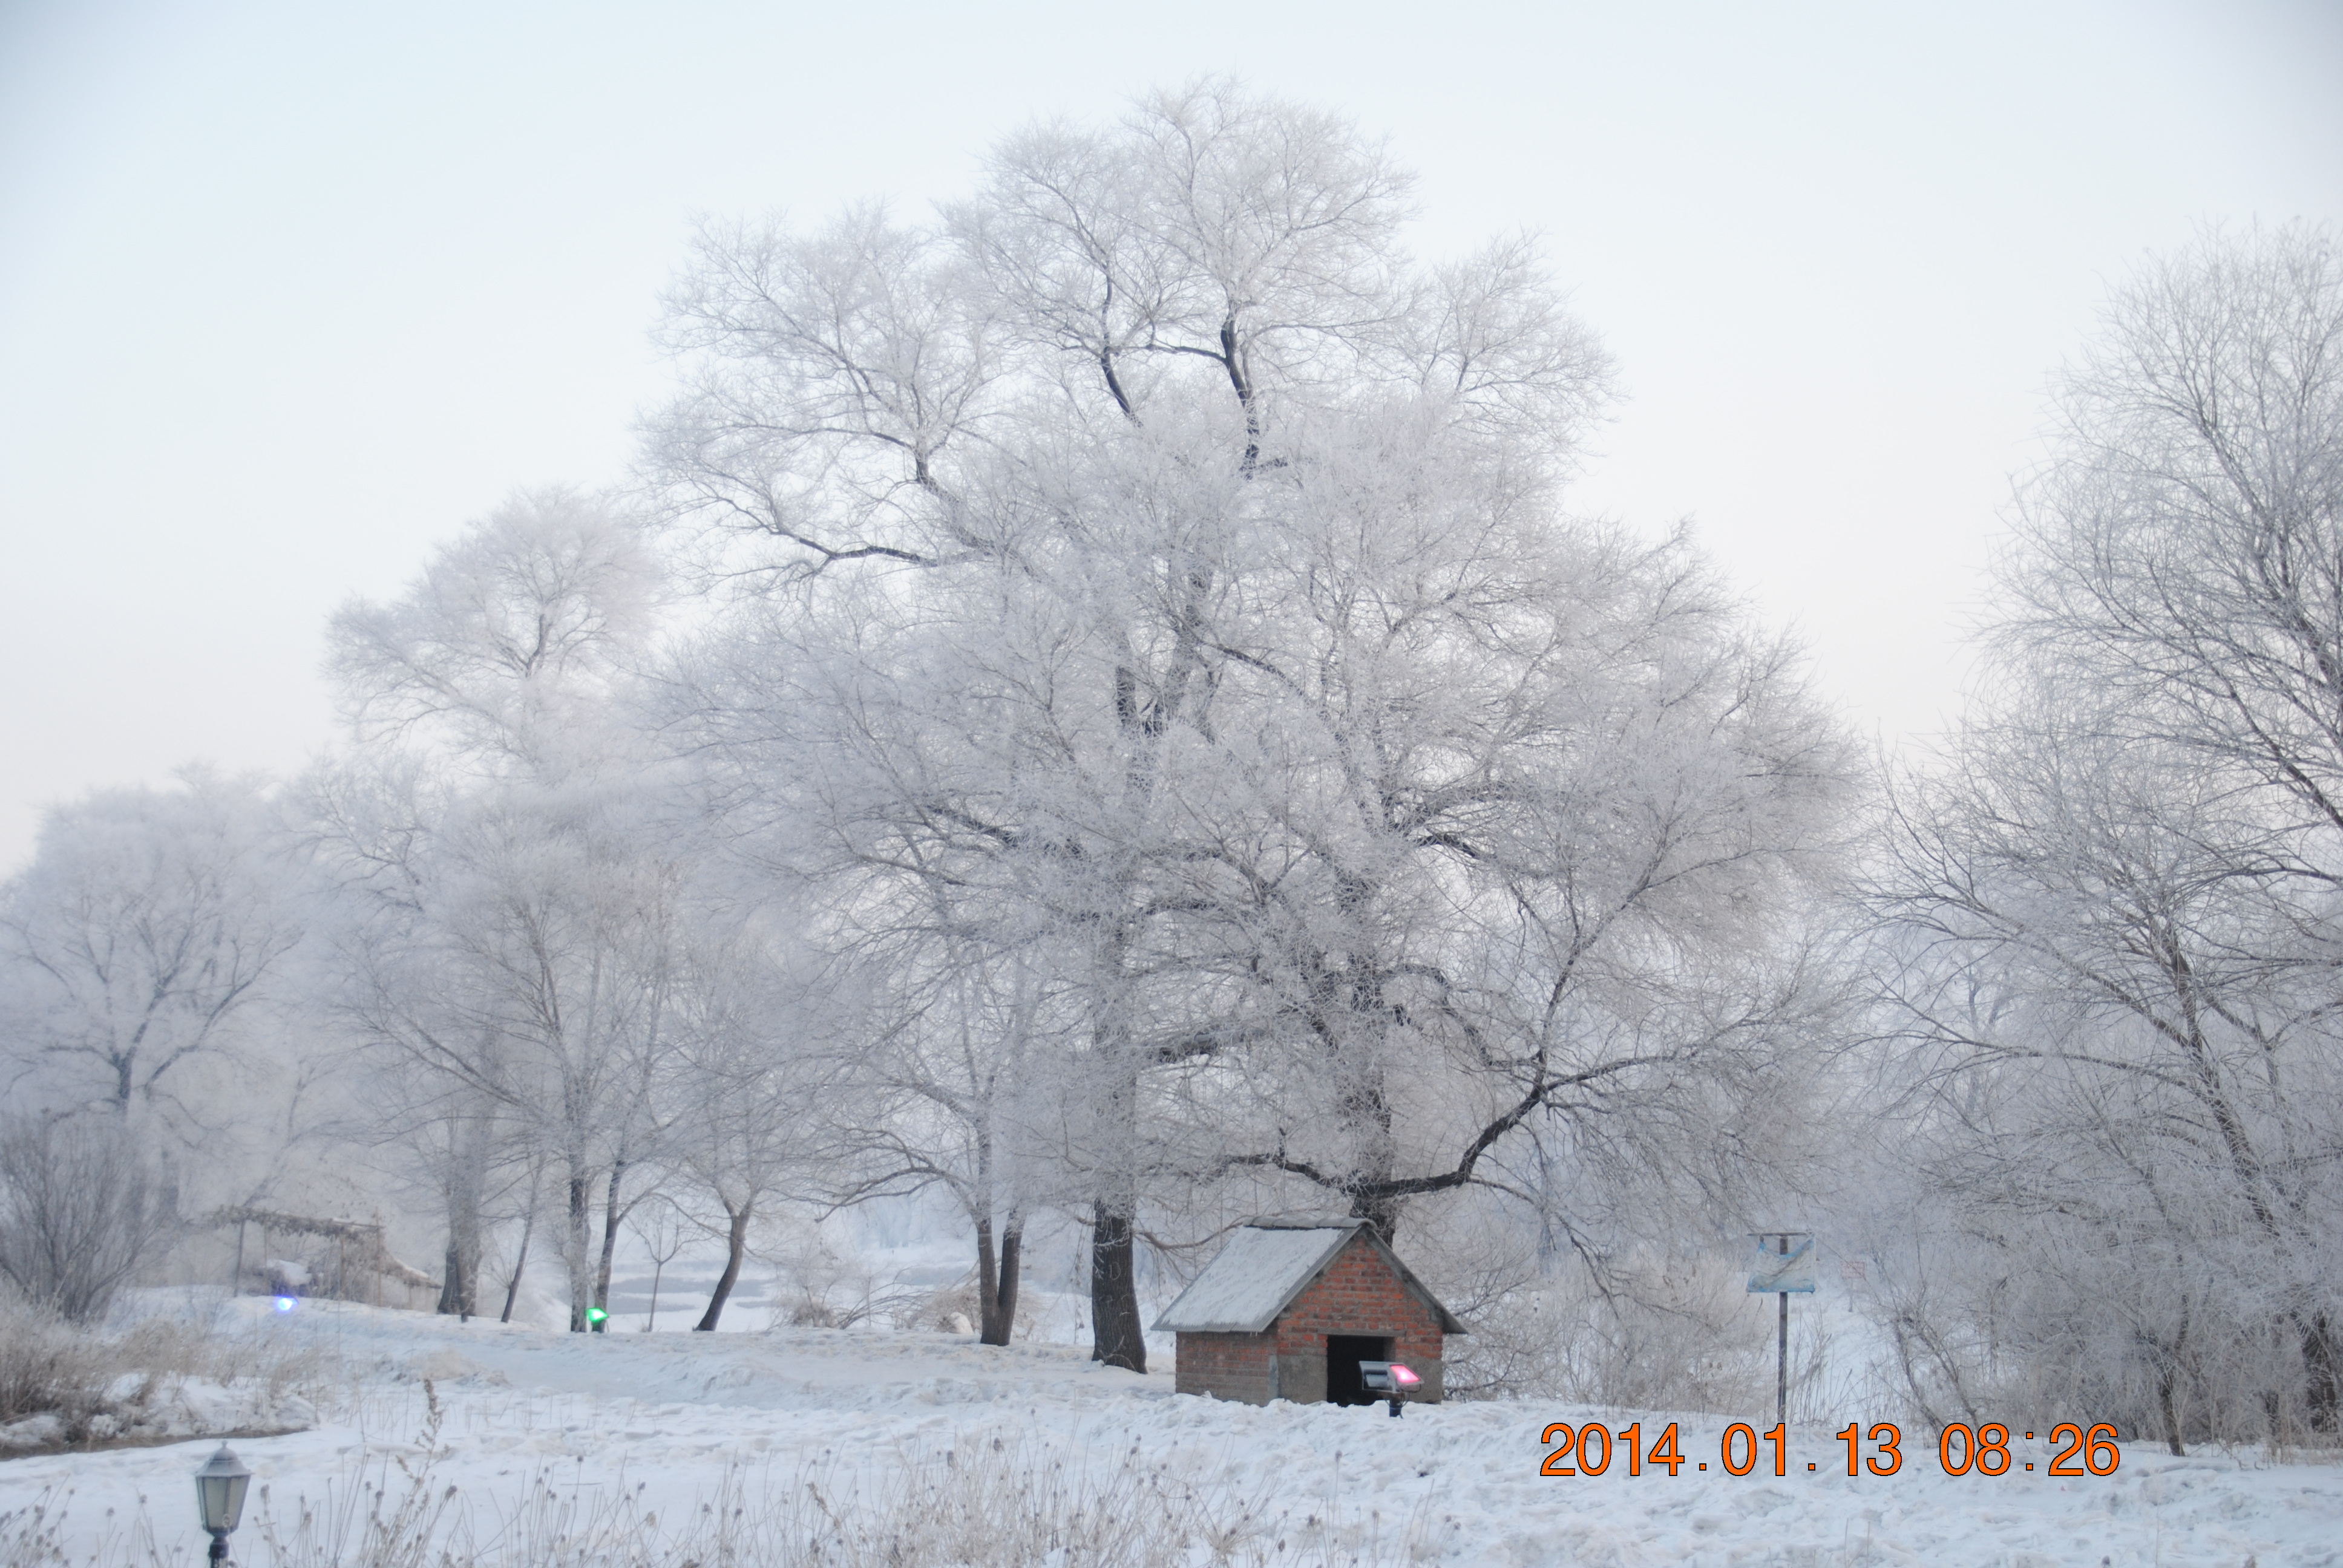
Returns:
(286, 1304)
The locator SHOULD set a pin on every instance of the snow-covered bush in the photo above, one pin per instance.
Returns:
(45, 1368)
(148, 1375)
(81, 1210)
(1673, 1333)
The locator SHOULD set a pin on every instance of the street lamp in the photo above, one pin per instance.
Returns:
(220, 1493)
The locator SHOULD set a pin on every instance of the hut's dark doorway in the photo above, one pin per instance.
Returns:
(1343, 1354)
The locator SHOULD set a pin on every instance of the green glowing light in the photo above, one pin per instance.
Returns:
(594, 1314)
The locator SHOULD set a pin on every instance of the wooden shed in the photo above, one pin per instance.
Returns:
(1290, 1308)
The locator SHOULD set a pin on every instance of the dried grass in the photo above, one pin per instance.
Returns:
(99, 1382)
(1004, 1504)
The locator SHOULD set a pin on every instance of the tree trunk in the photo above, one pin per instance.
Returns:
(468, 1148)
(2165, 1409)
(997, 1282)
(1380, 1210)
(520, 1263)
(1116, 1337)
(736, 1242)
(1362, 1107)
(580, 1239)
(612, 1215)
(1013, 1274)
(2323, 1373)
(988, 1281)
(456, 1283)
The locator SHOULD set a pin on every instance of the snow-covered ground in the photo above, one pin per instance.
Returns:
(535, 1428)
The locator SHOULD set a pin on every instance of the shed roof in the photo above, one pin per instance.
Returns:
(1265, 1266)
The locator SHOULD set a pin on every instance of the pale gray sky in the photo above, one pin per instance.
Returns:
(288, 291)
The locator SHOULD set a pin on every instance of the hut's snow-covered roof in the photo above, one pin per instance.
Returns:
(1264, 1267)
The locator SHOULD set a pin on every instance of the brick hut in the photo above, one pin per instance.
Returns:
(1290, 1308)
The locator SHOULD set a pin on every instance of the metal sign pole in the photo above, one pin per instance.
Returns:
(1778, 1270)
(1782, 1353)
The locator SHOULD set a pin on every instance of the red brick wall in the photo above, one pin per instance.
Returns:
(1358, 1294)
(1226, 1366)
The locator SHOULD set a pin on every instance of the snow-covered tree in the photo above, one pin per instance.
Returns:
(2109, 918)
(138, 945)
(754, 1038)
(1163, 570)
(513, 884)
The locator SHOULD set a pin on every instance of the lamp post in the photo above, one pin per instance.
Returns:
(219, 1494)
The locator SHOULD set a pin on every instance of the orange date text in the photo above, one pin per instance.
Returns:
(1593, 1449)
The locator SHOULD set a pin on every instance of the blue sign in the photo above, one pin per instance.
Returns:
(1772, 1271)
